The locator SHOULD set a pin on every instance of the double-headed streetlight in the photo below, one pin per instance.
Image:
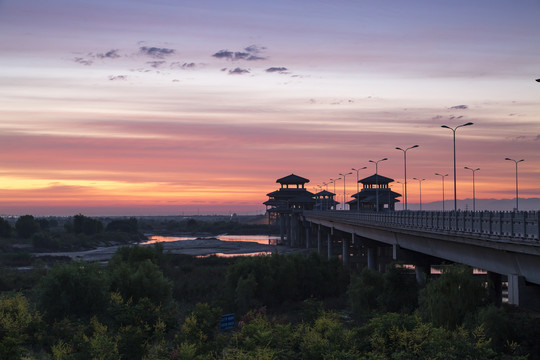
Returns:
(517, 162)
(473, 190)
(420, 183)
(405, 168)
(442, 177)
(357, 190)
(334, 181)
(377, 178)
(455, 182)
(344, 176)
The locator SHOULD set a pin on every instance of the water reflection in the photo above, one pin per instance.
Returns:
(259, 239)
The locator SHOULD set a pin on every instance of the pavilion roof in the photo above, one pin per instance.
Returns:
(292, 179)
(325, 193)
(376, 178)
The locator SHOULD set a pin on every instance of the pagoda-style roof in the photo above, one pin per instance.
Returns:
(325, 193)
(376, 179)
(292, 180)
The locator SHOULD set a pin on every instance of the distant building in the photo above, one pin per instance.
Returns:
(291, 196)
(375, 191)
(324, 200)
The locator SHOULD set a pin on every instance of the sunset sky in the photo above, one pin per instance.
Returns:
(132, 107)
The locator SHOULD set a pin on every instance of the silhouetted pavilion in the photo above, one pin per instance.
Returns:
(324, 200)
(373, 187)
(292, 195)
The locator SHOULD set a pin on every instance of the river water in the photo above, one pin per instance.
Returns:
(259, 239)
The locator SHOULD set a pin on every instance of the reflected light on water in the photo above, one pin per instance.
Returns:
(260, 239)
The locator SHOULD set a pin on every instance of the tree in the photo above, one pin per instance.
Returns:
(123, 225)
(364, 291)
(75, 289)
(456, 294)
(26, 226)
(5, 228)
(86, 225)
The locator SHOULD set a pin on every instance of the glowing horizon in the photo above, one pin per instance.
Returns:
(168, 107)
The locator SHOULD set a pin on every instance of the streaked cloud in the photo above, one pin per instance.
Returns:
(238, 71)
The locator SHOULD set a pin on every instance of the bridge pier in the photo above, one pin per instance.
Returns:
(345, 250)
(371, 258)
(319, 245)
(329, 244)
(494, 284)
(307, 236)
(521, 293)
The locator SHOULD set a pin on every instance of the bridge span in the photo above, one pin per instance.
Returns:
(505, 244)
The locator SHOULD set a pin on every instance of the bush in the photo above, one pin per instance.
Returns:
(76, 289)
(448, 300)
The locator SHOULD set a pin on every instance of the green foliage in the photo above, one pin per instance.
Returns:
(86, 225)
(448, 300)
(400, 290)
(364, 291)
(394, 336)
(76, 289)
(19, 326)
(275, 279)
(26, 226)
(5, 228)
(135, 274)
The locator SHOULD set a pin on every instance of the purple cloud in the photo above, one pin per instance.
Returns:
(155, 52)
(238, 71)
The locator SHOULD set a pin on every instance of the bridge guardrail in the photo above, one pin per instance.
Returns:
(522, 225)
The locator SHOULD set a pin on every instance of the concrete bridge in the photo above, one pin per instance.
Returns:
(504, 244)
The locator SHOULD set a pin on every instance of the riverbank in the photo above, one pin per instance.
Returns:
(196, 247)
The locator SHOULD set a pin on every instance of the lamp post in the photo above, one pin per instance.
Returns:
(344, 176)
(402, 192)
(405, 168)
(334, 181)
(377, 178)
(517, 162)
(473, 190)
(357, 190)
(442, 177)
(455, 182)
(420, 183)
(325, 185)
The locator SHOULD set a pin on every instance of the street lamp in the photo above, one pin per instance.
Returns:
(405, 168)
(377, 178)
(442, 177)
(344, 176)
(517, 162)
(538, 80)
(357, 190)
(473, 191)
(455, 182)
(326, 185)
(334, 181)
(420, 183)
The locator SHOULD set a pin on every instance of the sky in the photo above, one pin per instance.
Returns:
(163, 107)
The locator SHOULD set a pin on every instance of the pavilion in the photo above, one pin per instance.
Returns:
(375, 192)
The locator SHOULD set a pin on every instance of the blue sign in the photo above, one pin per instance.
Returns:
(227, 322)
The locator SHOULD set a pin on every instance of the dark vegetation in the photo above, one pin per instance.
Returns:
(147, 304)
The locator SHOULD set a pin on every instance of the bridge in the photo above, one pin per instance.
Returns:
(504, 244)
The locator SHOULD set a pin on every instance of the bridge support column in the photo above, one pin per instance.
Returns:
(319, 244)
(282, 228)
(522, 294)
(307, 236)
(494, 281)
(329, 245)
(422, 272)
(345, 251)
(372, 258)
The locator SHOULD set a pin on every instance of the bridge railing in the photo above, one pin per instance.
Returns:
(522, 225)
